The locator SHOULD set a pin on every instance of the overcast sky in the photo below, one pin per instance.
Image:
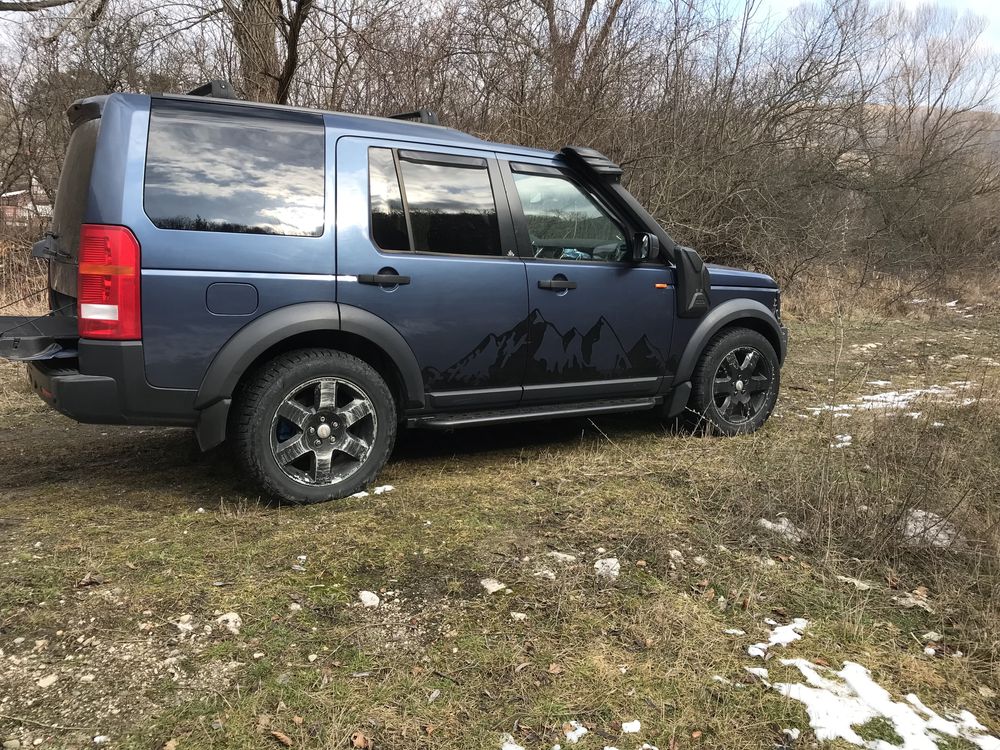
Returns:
(988, 9)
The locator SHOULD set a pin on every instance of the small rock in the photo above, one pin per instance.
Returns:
(369, 598)
(608, 568)
(258, 655)
(200, 510)
(700, 561)
(47, 682)
(783, 528)
(185, 624)
(101, 739)
(11, 744)
(518, 616)
(546, 574)
(231, 621)
(294, 607)
(312, 658)
(677, 556)
(492, 585)
(87, 678)
(18, 641)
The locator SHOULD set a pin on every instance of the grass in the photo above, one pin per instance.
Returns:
(441, 663)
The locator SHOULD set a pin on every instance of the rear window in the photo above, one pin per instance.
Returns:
(223, 169)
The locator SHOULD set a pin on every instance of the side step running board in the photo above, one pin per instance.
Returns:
(531, 413)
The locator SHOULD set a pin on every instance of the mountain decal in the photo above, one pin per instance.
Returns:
(535, 351)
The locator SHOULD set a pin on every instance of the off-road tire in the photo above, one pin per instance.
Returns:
(254, 412)
(704, 412)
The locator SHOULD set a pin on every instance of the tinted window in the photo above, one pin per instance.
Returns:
(388, 221)
(447, 204)
(217, 169)
(566, 223)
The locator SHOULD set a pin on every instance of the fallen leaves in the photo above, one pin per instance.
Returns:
(281, 737)
(361, 742)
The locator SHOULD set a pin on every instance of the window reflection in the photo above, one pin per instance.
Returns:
(565, 223)
(211, 168)
(388, 221)
(451, 208)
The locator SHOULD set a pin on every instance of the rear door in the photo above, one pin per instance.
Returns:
(425, 242)
(600, 324)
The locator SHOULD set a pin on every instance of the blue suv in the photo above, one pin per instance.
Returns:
(304, 283)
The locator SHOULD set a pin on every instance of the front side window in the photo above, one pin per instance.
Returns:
(442, 204)
(565, 223)
(217, 169)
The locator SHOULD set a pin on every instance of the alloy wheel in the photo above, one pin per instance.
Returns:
(741, 385)
(323, 431)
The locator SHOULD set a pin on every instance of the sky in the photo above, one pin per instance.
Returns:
(988, 9)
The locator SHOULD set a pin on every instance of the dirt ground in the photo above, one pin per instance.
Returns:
(149, 600)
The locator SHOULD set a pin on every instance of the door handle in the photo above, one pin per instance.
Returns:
(556, 284)
(383, 279)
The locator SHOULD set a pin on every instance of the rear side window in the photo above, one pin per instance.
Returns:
(219, 169)
(432, 203)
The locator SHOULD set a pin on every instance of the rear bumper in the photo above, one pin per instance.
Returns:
(106, 384)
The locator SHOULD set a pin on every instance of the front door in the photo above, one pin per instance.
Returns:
(600, 325)
(430, 217)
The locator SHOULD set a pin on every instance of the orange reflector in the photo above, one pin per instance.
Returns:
(662, 286)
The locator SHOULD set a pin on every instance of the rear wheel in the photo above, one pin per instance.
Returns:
(314, 425)
(735, 384)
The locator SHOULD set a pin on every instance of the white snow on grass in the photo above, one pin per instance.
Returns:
(782, 635)
(561, 557)
(923, 528)
(492, 585)
(574, 731)
(631, 727)
(841, 701)
(380, 490)
(841, 441)
(783, 528)
(608, 568)
(891, 401)
(507, 742)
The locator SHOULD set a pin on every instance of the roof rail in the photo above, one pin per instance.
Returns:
(418, 115)
(216, 89)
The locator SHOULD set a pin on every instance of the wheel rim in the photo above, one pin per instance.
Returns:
(323, 431)
(742, 385)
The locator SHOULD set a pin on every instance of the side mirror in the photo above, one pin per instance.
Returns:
(645, 246)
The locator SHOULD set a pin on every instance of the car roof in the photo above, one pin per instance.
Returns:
(381, 126)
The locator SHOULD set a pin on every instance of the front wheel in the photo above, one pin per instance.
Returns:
(314, 425)
(735, 384)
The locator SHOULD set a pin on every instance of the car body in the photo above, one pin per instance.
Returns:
(258, 230)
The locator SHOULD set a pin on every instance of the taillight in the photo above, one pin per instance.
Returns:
(108, 290)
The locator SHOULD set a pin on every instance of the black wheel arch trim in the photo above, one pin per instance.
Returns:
(270, 329)
(726, 314)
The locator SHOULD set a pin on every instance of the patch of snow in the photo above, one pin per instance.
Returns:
(369, 598)
(574, 731)
(631, 727)
(518, 616)
(782, 635)
(546, 574)
(783, 528)
(841, 441)
(760, 673)
(734, 631)
(507, 742)
(925, 529)
(382, 489)
(562, 557)
(953, 303)
(231, 621)
(647, 746)
(608, 568)
(856, 583)
(792, 733)
(842, 700)
(879, 383)
(492, 585)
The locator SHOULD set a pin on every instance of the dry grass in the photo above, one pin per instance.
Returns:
(21, 276)
(441, 664)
